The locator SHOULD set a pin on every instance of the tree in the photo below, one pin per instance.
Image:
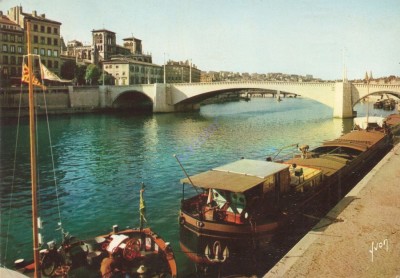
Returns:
(68, 70)
(92, 74)
(80, 71)
(108, 79)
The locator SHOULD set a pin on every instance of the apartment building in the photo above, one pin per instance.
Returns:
(128, 71)
(181, 72)
(12, 49)
(45, 36)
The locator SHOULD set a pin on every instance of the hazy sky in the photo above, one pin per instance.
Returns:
(292, 36)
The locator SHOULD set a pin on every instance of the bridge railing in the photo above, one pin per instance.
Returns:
(278, 83)
(386, 86)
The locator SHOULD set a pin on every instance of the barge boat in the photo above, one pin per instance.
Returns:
(243, 204)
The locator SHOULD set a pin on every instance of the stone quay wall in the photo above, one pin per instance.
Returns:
(59, 100)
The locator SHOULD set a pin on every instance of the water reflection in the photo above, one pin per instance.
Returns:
(100, 161)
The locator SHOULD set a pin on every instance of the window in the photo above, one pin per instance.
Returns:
(13, 60)
(12, 38)
(48, 30)
(55, 42)
(5, 37)
(19, 49)
(35, 51)
(5, 60)
(19, 38)
(42, 29)
(42, 40)
(55, 53)
(12, 48)
(48, 41)
(35, 39)
(35, 27)
(55, 30)
(19, 60)
(49, 52)
(5, 48)
(42, 51)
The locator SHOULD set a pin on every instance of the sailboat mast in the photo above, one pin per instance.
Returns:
(32, 132)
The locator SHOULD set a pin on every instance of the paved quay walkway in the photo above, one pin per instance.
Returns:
(364, 241)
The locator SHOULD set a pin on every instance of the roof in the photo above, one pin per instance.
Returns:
(359, 139)
(102, 30)
(238, 176)
(5, 20)
(40, 18)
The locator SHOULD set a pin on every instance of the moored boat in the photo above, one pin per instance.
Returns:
(244, 204)
(132, 252)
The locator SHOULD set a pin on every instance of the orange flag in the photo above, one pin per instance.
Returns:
(25, 77)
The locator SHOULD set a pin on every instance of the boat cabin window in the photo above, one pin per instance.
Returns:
(269, 184)
(227, 200)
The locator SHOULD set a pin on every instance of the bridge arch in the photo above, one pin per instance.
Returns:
(360, 91)
(134, 101)
(321, 92)
(378, 93)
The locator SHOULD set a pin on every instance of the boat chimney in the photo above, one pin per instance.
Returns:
(115, 229)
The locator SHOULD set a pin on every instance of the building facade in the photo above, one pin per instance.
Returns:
(181, 72)
(12, 49)
(128, 71)
(45, 36)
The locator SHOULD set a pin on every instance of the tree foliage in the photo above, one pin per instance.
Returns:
(92, 74)
(80, 71)
(68, 70)
(108, 79)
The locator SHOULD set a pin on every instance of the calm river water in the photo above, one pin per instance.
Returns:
(100, 161)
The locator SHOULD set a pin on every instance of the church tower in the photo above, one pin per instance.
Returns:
(104, 43)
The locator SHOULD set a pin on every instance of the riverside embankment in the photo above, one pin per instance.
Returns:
(58, 100)
(359, 237)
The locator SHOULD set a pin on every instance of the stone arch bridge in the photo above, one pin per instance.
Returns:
(341, 96)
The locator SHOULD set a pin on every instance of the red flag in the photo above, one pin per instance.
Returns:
(25, 77)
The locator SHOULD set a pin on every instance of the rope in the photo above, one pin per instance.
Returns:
(14, 170)
(52, 161)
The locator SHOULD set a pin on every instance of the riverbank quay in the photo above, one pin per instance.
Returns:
(359, 237)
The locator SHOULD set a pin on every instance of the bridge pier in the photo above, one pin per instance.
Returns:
(343, 104)
(162, 102)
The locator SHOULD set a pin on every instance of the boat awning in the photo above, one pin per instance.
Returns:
(363, 122)
(238, 176)
(360, 140)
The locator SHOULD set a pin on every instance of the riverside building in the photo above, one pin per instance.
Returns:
(45, 41)
(181, 72)
(12, 48)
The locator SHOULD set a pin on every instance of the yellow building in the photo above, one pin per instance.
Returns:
(45, 36)
(127, 71)
(181, 72)
(12, 49)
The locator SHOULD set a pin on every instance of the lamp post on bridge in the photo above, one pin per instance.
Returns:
(164, 69)
(190, 71)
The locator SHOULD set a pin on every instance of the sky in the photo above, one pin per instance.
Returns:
(254, 36)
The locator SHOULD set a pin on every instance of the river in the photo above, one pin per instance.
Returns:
(101, 160)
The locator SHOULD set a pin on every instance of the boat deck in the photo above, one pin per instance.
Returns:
(303, 177)
(357, 237)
